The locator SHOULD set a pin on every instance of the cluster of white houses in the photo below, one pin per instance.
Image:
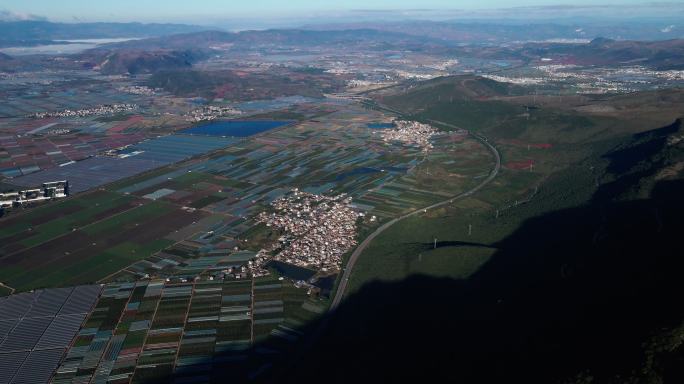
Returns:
(410, 133)
(95, 111)
(317, 231)
(211, 112)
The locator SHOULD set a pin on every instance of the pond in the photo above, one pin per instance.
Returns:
(291, 271)
(236, 128)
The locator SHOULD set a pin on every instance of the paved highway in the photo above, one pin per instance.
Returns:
(339, 294)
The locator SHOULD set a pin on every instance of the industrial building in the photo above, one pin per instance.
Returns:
(48, 191)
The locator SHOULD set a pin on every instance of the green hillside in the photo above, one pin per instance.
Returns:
(596, 182)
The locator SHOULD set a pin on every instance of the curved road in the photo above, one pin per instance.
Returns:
(339, 294)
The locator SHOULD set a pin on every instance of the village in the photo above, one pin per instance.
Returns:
(590, 80)
(95, 111)
(317, 231)
(137, 90)
(410, 133)
(211, 112)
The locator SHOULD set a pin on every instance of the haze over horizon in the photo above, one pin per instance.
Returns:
(264, 13)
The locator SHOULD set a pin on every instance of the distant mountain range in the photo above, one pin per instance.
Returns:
(271, 37)
(37, 32)
(497, 31)
(659, 54)
(32, 32)
(182, 50)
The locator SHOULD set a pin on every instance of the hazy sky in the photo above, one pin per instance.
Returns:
(195, 10)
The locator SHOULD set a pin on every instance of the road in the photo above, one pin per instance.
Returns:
(339, 294)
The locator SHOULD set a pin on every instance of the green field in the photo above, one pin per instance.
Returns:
(97, 235)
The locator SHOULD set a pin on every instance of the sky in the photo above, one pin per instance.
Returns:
(198, 10)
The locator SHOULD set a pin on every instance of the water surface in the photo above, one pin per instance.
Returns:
(235, 128)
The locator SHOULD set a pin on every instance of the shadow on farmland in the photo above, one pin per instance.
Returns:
(449, 244)
(576, 295)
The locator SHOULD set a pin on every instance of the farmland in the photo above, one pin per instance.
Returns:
(149, 331)
(100, 237)
(204, 206)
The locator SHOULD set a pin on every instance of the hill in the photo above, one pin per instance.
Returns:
(138, 62)
(506, 111)
(240, 86)
(451, 89)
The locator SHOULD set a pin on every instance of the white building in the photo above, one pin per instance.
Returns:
(48, 191)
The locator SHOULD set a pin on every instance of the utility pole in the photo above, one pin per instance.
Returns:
(470, 229)
(435, 247)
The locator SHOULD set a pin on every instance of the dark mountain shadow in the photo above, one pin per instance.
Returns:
(637, 159)
(447, 244)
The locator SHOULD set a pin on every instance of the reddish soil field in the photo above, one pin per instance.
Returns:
(124, 125)
(520, 164)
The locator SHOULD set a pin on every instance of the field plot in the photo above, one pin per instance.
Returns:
(151, 330)
(22, 156)
(100, 236)
(29, 144)
(37, 328)
(100, 342)
(135, 159)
